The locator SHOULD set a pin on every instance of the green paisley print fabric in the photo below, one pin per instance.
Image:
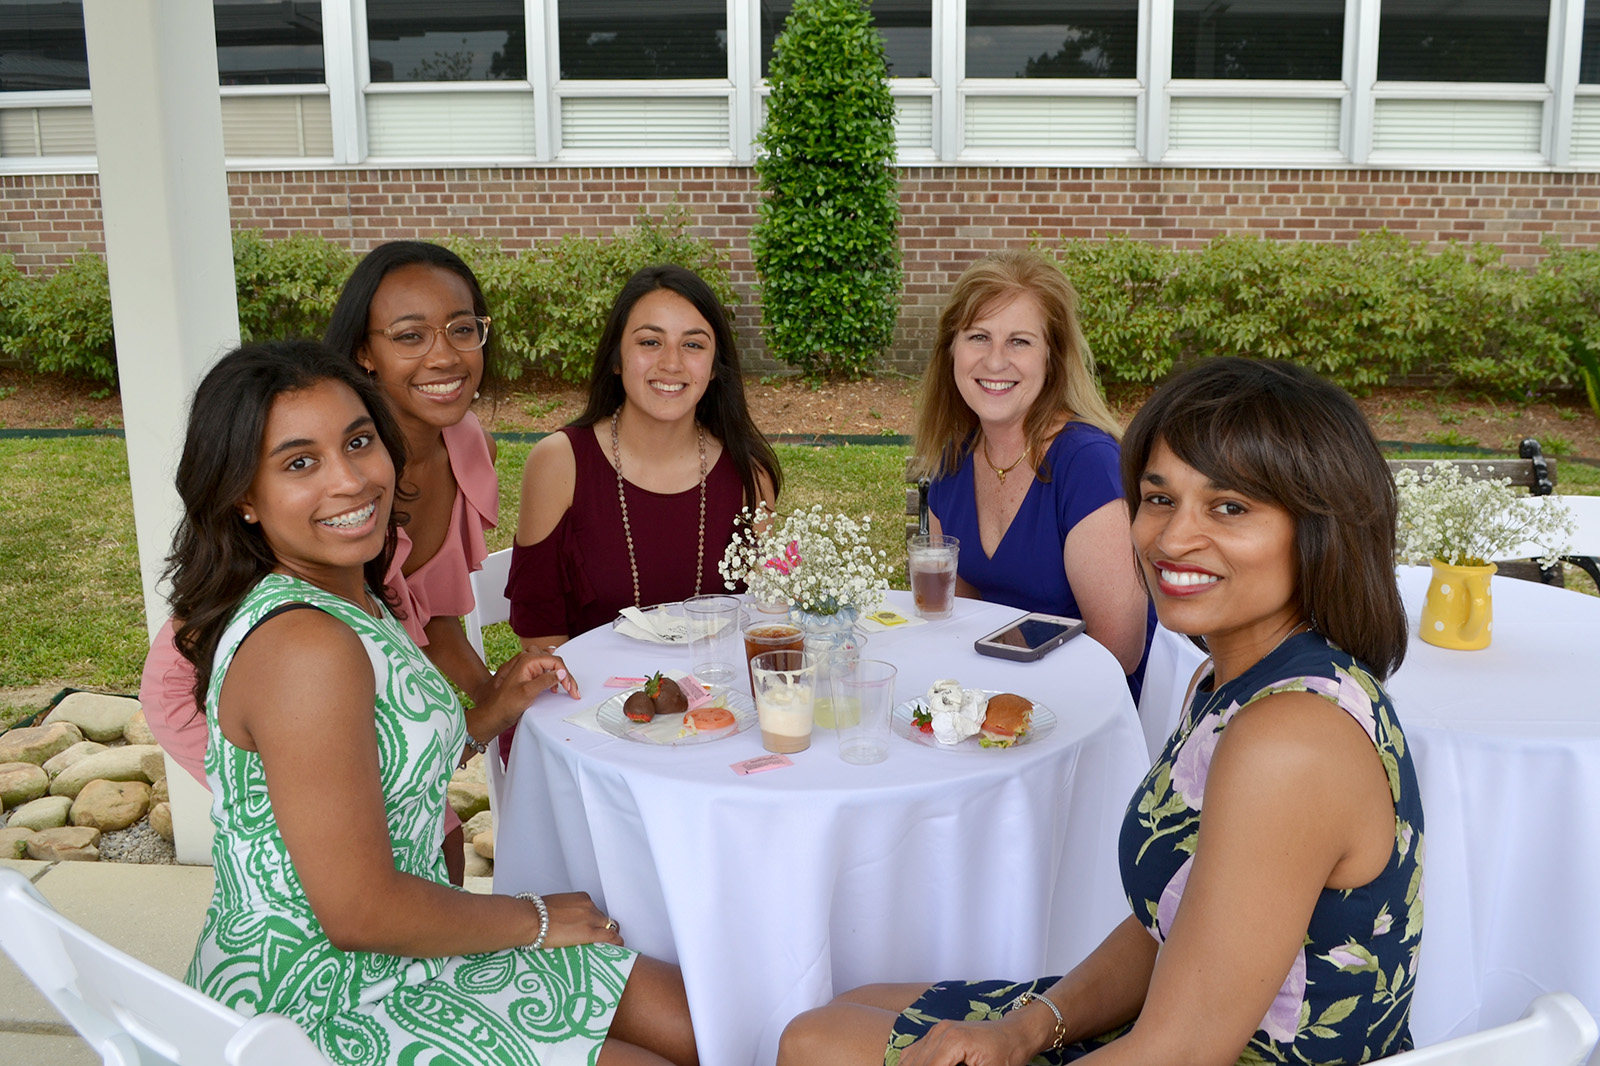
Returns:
(262, 949)
(1347, 996)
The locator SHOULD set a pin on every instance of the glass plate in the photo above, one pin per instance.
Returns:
(669, 610)
(613, 721)
(1044, 720)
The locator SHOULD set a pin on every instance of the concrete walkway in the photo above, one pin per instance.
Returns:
(153, 913)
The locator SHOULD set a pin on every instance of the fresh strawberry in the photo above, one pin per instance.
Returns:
(922, 719)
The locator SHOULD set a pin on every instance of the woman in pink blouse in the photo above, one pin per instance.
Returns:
(413, 317)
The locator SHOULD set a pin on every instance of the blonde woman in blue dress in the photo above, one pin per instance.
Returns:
(332, 739)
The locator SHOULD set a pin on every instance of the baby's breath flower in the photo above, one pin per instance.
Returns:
(830, 567)
(1468, 522)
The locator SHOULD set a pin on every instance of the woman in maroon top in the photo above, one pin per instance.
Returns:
(634, 502)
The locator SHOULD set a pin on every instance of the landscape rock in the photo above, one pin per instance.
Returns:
(108, 805)
(14, 842)
(69, 843)
(48, 812)
(136, 731)
(57, 763)
(468, 798)
(483, 844)
(159, 793)
(161, 820)
(154, 764)
(101, 717)
(477, 865)
(21, 782)
(113, 764)
(37, 743)
(482, 822)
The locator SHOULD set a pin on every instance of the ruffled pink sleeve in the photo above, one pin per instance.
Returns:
(166, 692)
(442, 586)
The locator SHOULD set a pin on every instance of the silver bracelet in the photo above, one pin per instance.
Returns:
(1058, 1036)
(544, 917)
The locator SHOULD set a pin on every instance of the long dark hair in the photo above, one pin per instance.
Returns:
(722, 409)
(217, 558)
(347, 329)
(1276, 432)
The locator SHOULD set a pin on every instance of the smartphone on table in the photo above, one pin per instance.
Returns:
(1031, 637)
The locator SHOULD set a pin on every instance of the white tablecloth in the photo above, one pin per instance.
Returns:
(1506, 742)
(776, 890)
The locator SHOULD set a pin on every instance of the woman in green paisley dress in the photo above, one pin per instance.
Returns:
(1273, 854)
(332, 738)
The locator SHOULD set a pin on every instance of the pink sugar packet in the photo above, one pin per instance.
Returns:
(760, 764)
(625, 682)
(693, 691)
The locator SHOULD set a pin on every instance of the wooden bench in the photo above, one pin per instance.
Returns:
(916, 499)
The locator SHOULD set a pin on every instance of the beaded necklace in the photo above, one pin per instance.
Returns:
(622, 499)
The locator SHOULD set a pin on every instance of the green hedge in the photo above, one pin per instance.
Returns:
(549, 303)
(1358, 314)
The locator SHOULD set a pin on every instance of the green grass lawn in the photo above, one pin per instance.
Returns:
(71, 610)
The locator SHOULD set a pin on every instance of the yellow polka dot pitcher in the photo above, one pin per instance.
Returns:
(1459, 612)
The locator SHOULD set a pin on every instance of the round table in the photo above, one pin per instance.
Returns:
(774, 891)
(1506, 742)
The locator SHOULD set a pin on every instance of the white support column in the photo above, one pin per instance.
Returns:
(1157, 25)
(164, 201)
(1566, 51)
(344, 66)
(744, 71)
(548, 135)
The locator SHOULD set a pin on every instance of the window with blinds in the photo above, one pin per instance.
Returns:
(276, 127)
(445, 125)
(623, 40)
(634, 122)
(1463, 40)
(269, 42)
(462, 40)
(1285, 40)
(1051, 122)
(1217, 125)
(1039, 39)
(41, 131)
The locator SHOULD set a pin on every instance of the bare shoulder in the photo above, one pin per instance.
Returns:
(1297, 747)
(489, 442)
(549, 478)
(295, 668)
(1294, 727)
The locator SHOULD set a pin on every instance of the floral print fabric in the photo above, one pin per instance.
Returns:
(262, 949)
(1347, 996)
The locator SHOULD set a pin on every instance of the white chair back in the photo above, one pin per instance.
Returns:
(1167, 673)
(1555, 1031)
(489, 605)
(129, 1013)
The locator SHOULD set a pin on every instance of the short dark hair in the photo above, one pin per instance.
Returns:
(347, 328)
(216, 557)
(1276, 432)
(722, 409)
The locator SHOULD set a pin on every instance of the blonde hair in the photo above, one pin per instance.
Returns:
(946, 426)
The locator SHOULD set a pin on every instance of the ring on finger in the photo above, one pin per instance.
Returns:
(612, 926)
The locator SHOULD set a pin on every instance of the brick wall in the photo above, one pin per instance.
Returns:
(951, 215)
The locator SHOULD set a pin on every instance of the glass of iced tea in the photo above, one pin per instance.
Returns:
(933, 573)
(769, 634)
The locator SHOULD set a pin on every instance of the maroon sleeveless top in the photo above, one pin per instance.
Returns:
(578, 577)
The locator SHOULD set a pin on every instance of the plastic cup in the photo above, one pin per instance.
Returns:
(828, 653)
(713, 623)
(863, 698)
(932, 559)
(766, 633)
(785, 690)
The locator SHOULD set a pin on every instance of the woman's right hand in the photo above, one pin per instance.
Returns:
(951, 1043)
(574, 919)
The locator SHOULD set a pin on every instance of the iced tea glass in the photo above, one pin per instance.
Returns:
(932, 558)
(766, 633)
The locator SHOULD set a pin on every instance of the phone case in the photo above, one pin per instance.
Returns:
(986, 645)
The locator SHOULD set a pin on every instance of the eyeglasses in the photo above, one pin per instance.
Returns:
(413, 340)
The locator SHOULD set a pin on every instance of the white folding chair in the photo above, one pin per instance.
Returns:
(1173, 660)
(489, 605)
(129, 1013)
(1555, 1031)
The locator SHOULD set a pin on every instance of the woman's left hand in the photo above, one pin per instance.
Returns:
(973, 1043)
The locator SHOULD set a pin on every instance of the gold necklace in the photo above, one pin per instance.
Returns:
(622, 499)
(1001, 474)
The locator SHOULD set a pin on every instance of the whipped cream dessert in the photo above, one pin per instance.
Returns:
(957, 712)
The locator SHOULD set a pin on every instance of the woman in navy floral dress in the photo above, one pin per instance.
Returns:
(1273, 854)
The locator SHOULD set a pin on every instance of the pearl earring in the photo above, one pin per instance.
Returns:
(475, 395)
(248, 517)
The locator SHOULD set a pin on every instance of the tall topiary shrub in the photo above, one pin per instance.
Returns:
(825, 245)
